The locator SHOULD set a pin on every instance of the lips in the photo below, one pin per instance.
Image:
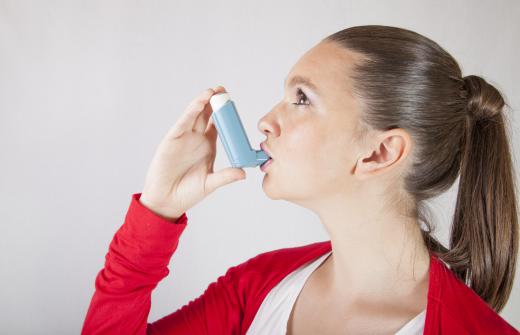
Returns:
(264, 165)
(264, 148)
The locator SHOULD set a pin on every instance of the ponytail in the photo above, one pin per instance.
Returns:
(484, 236)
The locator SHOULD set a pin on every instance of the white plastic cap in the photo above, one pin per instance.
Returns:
(218, 100)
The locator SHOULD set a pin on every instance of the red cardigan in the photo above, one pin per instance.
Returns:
(138, 259)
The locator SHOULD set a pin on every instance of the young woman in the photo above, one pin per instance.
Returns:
(374, 121)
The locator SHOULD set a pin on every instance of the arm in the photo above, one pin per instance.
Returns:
(137, 260)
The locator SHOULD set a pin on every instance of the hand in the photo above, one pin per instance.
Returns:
(181, 172)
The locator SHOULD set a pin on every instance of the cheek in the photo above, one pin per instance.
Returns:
(303, 144)
(313, 161)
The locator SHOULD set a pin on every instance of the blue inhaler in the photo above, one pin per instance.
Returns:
(232, 134)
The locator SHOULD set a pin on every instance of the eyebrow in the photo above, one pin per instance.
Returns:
(297, 79)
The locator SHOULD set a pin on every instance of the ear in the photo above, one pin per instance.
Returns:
(388, 150)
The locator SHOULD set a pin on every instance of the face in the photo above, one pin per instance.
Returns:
(311, 132)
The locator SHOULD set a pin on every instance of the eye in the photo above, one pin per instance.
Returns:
(301, 96)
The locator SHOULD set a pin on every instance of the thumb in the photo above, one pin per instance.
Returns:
(223, 177)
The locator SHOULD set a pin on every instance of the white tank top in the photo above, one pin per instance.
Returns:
(273, 314)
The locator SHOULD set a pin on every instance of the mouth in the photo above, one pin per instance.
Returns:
(266, 164)
(264, 148)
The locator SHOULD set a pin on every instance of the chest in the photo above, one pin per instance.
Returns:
(311, 315)
(315, 313)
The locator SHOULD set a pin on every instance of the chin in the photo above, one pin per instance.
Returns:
(275, 191)
(270, 188)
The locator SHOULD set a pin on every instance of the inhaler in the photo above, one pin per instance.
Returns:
(232, 134)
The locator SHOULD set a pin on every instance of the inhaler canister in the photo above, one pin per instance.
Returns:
(232, 134)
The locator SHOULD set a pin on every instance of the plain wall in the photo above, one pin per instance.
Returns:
(89, 88)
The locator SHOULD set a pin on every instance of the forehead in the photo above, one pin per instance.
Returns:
(324, 68)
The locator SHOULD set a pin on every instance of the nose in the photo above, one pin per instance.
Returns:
(265, 126)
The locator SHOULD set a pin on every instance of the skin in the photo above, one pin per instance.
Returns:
(376, 278)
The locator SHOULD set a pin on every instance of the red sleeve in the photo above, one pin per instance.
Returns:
(137, 259)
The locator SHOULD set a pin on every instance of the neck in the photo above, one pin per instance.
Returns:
(375, 252)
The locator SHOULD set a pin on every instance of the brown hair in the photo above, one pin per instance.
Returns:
(458, 126)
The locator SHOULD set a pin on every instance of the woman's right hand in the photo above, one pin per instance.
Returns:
(181, 172)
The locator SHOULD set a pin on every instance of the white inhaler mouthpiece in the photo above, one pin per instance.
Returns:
(232, 134)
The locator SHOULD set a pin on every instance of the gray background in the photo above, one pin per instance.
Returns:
(88, 89)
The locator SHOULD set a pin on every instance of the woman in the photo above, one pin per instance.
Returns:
(375, 120)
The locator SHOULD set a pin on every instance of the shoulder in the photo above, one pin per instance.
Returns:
(459, 305)
(285, 258)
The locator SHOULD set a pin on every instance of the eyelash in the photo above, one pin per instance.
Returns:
(300, 94)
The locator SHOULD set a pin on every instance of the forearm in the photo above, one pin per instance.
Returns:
(136, 262)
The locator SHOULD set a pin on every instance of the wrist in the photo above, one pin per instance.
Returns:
(160, 211)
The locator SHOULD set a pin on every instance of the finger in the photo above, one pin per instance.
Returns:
(211, 130)
(201, 124)
(187, 120)
(219, 89)
(223, 177)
